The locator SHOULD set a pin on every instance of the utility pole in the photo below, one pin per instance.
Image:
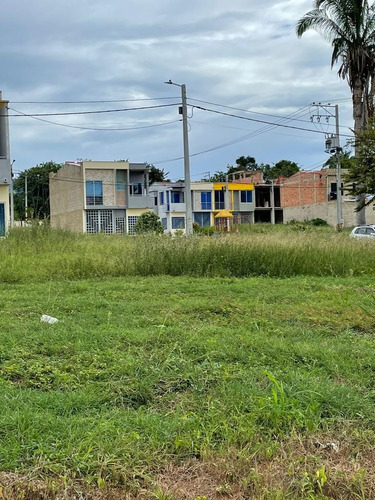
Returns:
(11, 195)
(26, 196)
(332, 146)
(188, 204)
(340, 221)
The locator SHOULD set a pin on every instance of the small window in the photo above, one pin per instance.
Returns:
(176, 197)
(136, 188)
(202, 218)
(246, 196)
(206, 200)
(219, 200)
(178, 222)
(94, 193)
(161, 196)
(164, 222)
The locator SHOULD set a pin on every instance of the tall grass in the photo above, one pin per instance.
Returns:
(41, 253)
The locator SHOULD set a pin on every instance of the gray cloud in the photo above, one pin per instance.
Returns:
(239, 53)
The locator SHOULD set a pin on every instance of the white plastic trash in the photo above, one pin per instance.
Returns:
(48, 319)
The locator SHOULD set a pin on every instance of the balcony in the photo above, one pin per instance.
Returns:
(140, 201)
(176, 207)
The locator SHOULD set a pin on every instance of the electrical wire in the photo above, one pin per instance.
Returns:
(107, 129)
(248, 110)
(263, 121)
(93, 101)
(101, 111)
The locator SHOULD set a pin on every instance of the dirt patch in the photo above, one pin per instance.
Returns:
(309, 468)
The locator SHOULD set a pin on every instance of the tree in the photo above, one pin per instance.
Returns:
(157, 174)
(148, 222)
(284, 168)
(37, 191)
(243, 164)
(346, 161)
(349, 26)
(361, 175)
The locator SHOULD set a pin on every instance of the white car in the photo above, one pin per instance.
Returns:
(363, 232)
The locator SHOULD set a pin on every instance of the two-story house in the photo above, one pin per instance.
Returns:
(208, 198)
(5, 167)
(99, 196)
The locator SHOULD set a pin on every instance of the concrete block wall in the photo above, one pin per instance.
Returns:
(67, 198)
(328, 212)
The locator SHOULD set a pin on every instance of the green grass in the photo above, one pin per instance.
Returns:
(236, 353)
(142, 371)
(40, 254)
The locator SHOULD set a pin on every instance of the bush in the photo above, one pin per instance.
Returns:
(148, 222)
(206, 230)
(318, 222)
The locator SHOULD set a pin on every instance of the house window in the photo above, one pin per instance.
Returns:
(202, 218)
(206, 202)
(136, 188)
(246, 196)
(164, 222)
(176, 197)
(219, 200)
(178, 222)
(94, 193)
(132, 220)
(161, 195)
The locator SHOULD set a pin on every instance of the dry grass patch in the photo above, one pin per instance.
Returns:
(299, 469)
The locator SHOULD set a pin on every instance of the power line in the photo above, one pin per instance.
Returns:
(275, 124)
(251, 111)
(94, 102)
(94, 128)
(101, 111)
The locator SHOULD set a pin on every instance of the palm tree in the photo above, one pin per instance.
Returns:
(349, 25)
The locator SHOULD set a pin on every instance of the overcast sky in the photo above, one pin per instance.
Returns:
(242, 54)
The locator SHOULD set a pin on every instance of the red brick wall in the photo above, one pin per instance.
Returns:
(303, 188)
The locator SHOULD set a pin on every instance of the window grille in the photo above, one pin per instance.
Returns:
(92, 221)
(120, 225)
(132, 220)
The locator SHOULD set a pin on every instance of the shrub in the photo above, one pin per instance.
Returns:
(148, 222)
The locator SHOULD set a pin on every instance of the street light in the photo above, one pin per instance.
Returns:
(188, 204)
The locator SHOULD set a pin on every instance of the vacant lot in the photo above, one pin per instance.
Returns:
(183, 387)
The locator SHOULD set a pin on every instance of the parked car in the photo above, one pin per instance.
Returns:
(363, 232)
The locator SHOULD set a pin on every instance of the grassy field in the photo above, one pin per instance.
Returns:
(186, 387)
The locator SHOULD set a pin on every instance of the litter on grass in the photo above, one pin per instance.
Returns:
(48, 319)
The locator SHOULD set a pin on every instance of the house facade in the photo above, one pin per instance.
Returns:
(5, 168)
(99, 196)
(208, 198)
